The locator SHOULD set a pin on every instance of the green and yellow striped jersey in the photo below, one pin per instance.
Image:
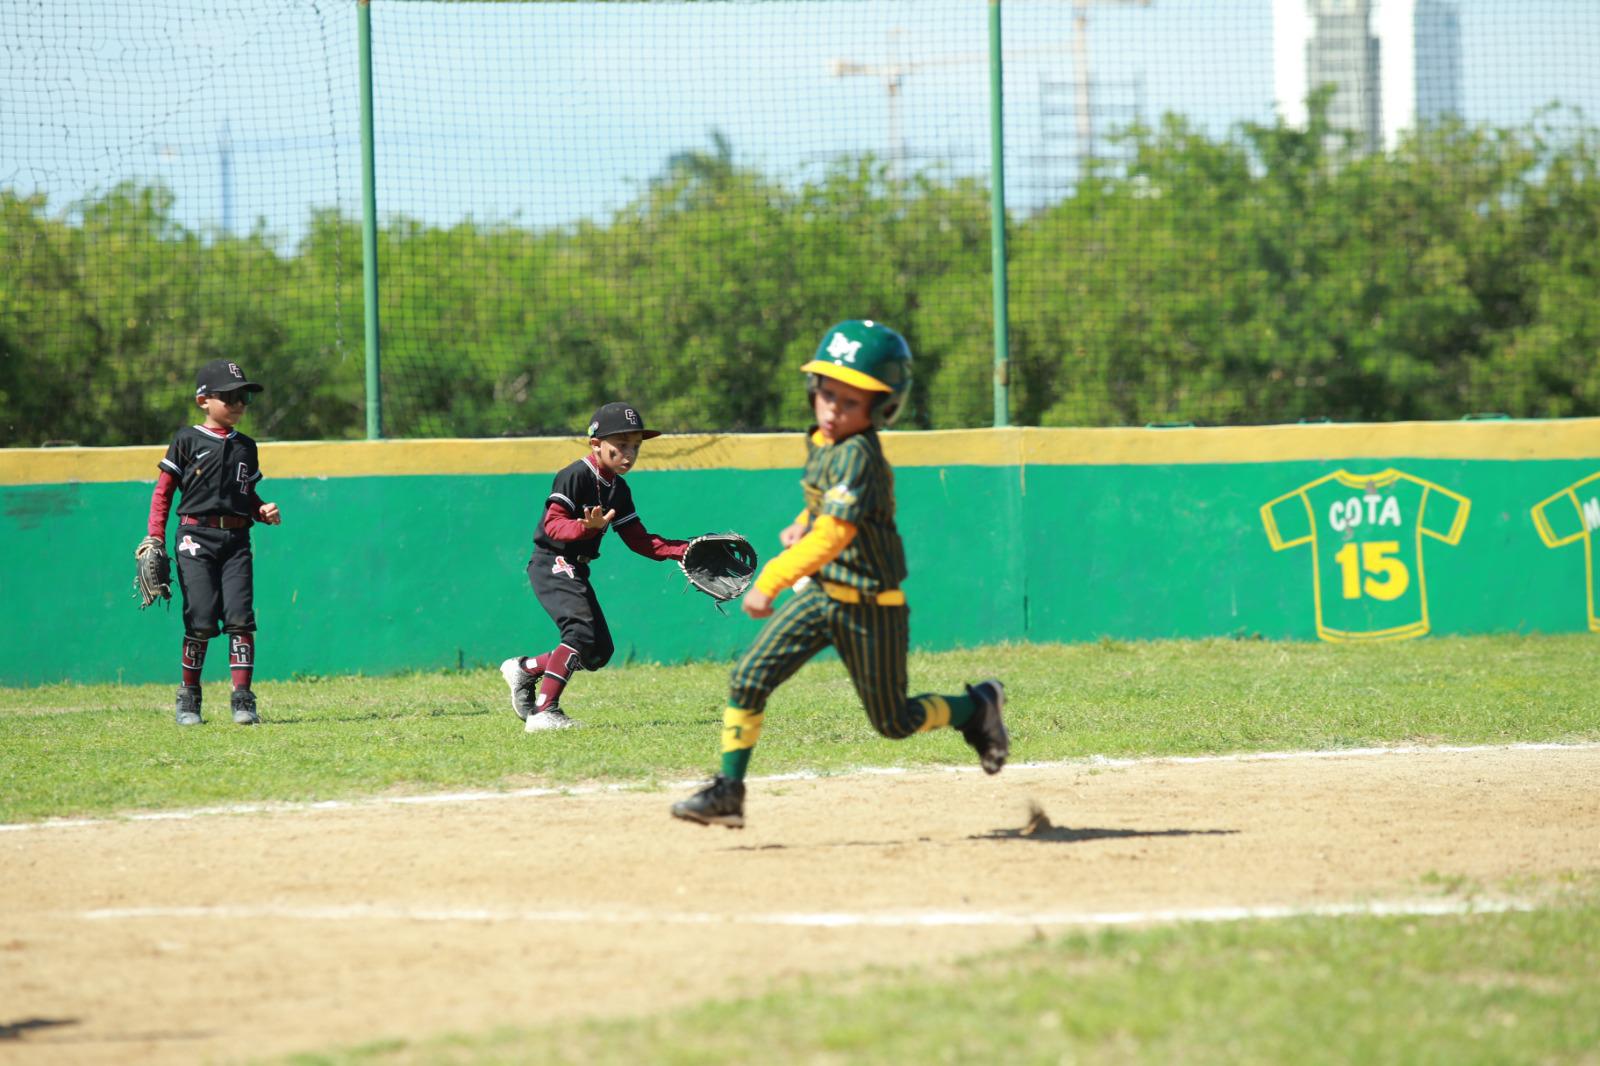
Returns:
(852, 481)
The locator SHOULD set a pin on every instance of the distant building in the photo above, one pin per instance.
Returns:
(1394, 63)
(1421, 63)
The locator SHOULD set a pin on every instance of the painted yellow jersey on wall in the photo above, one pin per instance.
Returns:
(1571, 515)
(1366, 535)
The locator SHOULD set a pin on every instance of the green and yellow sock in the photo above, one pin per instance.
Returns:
(941, 711)
(740, 731)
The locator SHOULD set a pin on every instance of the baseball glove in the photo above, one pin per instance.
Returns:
(154, 575)
(721, 565)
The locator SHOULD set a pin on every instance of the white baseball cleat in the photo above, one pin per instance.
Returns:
(524, 686)
(552, 718)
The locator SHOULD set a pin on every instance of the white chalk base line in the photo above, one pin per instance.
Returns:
(817, 919)
(445, 798)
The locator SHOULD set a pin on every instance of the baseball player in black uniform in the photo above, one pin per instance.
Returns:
(214, 470)
(844, 559)
(588, 497)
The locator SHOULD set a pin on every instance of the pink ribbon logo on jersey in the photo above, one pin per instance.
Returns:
(561, 566)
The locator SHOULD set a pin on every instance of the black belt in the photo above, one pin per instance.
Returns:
(215, 521)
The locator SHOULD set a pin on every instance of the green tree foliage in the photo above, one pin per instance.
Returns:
(104, 320)
(1273, 279)
(1269, 276)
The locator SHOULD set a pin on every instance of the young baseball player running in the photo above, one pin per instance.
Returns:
(845, 561)
(589, 496)
(214, 469)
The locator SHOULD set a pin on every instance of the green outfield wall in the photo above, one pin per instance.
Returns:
(397, 556)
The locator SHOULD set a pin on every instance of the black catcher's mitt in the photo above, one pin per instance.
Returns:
(154, 575)
(721, 565)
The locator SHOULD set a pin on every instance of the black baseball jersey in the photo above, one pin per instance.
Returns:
(852, 480)
(579, 486)
(216, 475)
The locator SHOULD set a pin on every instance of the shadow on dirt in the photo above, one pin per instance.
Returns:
(1040, 830)
(18, 1029)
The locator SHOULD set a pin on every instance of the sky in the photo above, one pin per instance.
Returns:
(549, 114)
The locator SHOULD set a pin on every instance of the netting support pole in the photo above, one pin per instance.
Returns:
(997, 224)
(369, 227)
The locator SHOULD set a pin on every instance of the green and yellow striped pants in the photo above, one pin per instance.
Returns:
(871, 640)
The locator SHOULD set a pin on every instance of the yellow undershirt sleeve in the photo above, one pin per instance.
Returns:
(828, 537)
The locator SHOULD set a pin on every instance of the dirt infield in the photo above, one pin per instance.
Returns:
(244, 935)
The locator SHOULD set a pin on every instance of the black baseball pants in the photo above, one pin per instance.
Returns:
(564, 592)
(216, 572)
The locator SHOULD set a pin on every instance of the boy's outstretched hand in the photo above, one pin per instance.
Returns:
(593, 518)
(757, 604)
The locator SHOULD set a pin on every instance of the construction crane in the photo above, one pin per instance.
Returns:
(894, 73)
(1080, 68)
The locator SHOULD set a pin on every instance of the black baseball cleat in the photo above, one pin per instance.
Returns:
(986, 729)
(188, 704)
(524, 686)
(719, 803)
(244, 707)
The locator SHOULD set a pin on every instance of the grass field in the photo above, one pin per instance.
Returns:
(1477, 988)
(1489, 989)
(82, 749)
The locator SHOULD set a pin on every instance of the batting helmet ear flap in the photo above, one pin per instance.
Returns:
(886, 407)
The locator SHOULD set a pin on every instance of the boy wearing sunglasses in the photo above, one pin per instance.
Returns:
(214, 469)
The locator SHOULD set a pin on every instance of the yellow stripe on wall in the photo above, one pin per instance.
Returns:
(1502, 440)
(1577, 438)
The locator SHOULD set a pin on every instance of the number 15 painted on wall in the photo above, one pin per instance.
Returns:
(1376, 558)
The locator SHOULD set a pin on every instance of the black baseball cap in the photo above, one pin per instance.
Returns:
(616, 418)
(222, 375)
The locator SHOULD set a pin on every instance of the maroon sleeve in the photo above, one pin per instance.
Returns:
(560, 525)
(161, 504)
(647, 544)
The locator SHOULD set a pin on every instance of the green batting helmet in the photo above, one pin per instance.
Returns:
(870, 356)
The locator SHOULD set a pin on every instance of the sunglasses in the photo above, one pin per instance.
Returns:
(238, 396)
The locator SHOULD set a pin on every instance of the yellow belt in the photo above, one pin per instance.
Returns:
(851, 594)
